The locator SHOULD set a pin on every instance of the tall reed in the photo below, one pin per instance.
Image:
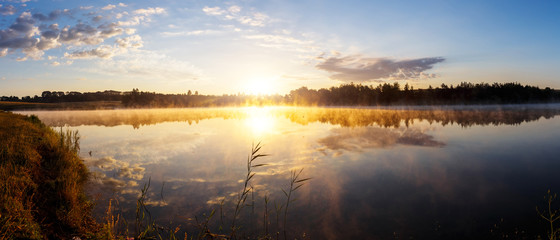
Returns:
(242, 196)
(295, 184)
(550, 215)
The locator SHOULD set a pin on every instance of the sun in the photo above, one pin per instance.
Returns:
(260, 86)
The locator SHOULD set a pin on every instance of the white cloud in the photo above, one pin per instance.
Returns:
(215, 11)
(150, 11)
(122, 5)
(283, 42)
(142, 15)
(133, 21)
(130, 31)
(191, 33)
(234, 9)
(134, 41)
(109, 7)
(277, 39)
(255, 19)
(120, 15)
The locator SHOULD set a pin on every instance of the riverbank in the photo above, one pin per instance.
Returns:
(42, 182)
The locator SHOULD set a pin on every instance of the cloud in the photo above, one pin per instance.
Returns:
(20, 36)
(234, 9)
(97, 18)
(191, 33)
(121, 15)
(33, 41)
(134, 41)
(7, 10)
(142, 15)
(359, 69)
(283, 42)
(255, 19)
(24, 25)
(123, 169)
(80, 34)
(30, 36)
(150, 11)
(109, 30)
(213, 11)
(109, 7)
(3, 52)
(17, 1)
(277, 38)
(51, 17)
(102, 51)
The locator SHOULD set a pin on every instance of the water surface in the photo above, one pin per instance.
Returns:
(452, 172)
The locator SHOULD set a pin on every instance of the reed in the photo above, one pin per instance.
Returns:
(550, 215)
(295, 183)
(242, 196)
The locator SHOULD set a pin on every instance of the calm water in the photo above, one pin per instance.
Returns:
(456, 172)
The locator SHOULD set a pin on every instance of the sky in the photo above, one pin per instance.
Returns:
(273, 46)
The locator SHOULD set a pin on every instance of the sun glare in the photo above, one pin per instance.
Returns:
(260, 121)
(260, 86)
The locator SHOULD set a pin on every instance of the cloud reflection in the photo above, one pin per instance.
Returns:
(124, 175)
(358, 139)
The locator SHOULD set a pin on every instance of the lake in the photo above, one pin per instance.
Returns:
(454, 172)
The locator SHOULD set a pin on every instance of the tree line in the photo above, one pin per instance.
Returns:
(343, 95)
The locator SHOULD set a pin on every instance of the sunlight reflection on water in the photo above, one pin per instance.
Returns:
(260, 121)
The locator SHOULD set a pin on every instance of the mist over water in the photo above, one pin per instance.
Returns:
(451, 172)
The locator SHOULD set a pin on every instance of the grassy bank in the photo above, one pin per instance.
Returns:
(41, 182)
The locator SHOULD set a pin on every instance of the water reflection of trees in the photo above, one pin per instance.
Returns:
(348, 117)
(354, 117)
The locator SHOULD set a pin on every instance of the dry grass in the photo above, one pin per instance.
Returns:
(41, 182)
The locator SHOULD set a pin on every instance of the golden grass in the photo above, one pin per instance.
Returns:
(41, 182)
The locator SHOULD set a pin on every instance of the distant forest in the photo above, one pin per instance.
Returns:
(343, 95)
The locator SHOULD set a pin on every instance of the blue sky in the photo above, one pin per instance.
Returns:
(218, 47)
